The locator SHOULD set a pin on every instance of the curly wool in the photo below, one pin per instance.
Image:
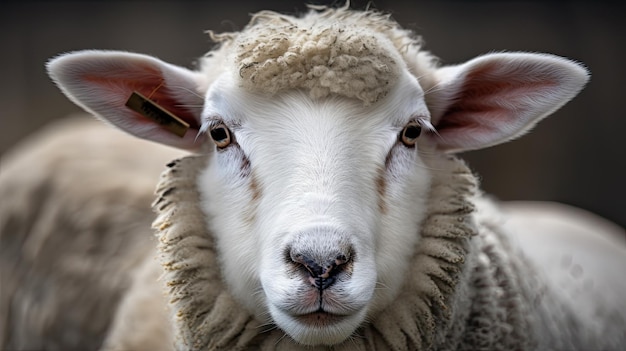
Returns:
(455, 296)
(336, 51)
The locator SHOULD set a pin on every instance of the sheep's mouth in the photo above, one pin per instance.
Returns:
(318, 326)
(319, 319)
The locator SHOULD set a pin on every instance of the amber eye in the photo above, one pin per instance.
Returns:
(221, 136)
(410, 133)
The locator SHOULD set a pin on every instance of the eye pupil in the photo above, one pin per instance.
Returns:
(410, 133)
(221, 136)
(219, 133)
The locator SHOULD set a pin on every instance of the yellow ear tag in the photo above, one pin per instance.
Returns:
(152, 110)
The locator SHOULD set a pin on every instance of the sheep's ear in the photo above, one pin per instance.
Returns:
(497, 97)
(101, 82)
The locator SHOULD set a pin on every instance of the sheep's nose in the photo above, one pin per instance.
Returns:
(322, 269)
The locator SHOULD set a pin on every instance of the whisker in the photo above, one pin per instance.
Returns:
(267, 327)
(280, 339)
(434, 88)
(187, 90)
(381, 286)
(427, 125)
(429, 153)
(258, 291)
(432, 156)
(355, 337)
(200, 132)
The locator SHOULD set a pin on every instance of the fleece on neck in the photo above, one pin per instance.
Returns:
(458, 291)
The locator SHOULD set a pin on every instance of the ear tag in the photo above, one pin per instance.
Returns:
(153, 111)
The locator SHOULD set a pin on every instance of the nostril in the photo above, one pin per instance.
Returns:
(321, 270)
(314, 269)
(342, 259)
(332, 267)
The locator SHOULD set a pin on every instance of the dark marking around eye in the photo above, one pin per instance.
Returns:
(381, 187)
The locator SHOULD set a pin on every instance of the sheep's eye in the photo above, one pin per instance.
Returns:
(221, 136)
(410, 133)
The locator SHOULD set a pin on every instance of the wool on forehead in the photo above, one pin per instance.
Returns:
(357, 54)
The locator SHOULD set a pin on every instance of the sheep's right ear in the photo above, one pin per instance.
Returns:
(101, 82)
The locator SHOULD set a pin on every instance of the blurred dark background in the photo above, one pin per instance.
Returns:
(577, 156)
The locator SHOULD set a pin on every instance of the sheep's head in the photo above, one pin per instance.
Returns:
(315, 203)
(316, 199)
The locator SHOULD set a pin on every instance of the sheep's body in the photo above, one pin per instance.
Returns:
(75, 225)
(578, 260)
(327, 212)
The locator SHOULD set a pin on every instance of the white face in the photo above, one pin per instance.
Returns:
(315, 204)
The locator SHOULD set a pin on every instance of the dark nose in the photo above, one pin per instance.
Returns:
(323, 270)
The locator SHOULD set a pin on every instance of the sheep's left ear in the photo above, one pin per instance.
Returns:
(497, 97)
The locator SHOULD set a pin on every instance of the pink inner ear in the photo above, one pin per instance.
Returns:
(492, 101)
(150, 85)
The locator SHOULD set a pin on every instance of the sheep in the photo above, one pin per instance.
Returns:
(323, 205)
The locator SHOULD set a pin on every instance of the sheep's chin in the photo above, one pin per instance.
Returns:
(315, 329)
